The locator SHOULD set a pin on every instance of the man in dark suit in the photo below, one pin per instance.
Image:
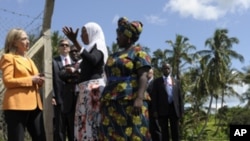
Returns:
(70, 74)
(61, 105)
(150, 80)
(167, 104)
(154, 126)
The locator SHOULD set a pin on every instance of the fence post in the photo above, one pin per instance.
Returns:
(47, 96)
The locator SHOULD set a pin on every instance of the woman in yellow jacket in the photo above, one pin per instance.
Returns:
(22, 104)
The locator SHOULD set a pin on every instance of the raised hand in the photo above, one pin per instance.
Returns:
(68, 31)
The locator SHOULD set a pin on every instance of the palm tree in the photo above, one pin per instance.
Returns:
(232, 77)
(179, 56)
(195, 86)
(158, 57)
(220, 54)
(218, 60)
(246, 80)
(55, 38)
(247, 74)
(246, 97)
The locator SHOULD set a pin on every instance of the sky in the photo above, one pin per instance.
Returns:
(162, 19)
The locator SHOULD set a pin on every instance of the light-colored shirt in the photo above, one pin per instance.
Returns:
(63, 60)
(169, 88)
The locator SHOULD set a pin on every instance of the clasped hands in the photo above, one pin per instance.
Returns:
(38, 79)
(70, 69)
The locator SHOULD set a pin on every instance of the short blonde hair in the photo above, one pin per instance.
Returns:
(12, 36)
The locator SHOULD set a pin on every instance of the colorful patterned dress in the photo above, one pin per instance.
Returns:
(117, 122)
(87, 115)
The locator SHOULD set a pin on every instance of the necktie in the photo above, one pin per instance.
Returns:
(169, 89)
(66, 61)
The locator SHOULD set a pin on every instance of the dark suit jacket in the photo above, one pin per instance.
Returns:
(149, 90)
(149, 87)
(59, 85)
(68, 93)
(159, 98)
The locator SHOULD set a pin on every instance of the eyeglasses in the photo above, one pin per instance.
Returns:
(62, 45)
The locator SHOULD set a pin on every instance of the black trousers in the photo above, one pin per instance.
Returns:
(172, 121)
(18, 121)
(154, 127)
(64, 123)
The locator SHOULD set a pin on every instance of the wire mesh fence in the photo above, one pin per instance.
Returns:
(32, 25)
(11, 19)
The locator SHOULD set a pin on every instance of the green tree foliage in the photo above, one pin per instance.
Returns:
(205, 75)
(239, 116)
(180, 54)
(55, 38)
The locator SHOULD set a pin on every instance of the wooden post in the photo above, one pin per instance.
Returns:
(48, 88)
(47, 18)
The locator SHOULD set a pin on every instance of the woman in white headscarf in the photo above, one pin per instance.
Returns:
(91, 81)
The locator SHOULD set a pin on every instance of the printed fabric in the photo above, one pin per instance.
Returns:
(117, 122)
(87, 115)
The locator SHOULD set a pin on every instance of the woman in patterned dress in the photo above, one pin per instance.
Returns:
(91, 81)
(124, 108)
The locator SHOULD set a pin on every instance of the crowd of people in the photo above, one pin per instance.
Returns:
(97, 96)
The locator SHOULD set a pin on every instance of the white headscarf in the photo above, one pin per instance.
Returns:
(96, 36)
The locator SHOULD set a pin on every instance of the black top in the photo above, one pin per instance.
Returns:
(91, 65)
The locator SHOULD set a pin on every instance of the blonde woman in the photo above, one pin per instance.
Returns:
(22, 104)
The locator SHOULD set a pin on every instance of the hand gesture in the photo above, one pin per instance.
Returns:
(69, 69)
(68, 31)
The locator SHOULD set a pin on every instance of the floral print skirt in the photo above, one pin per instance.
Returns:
(87, 115)
(117, 123)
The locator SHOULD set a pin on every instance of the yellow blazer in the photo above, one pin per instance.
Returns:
(21, 93)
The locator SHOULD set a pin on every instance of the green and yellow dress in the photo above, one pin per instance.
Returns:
(117, 122)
